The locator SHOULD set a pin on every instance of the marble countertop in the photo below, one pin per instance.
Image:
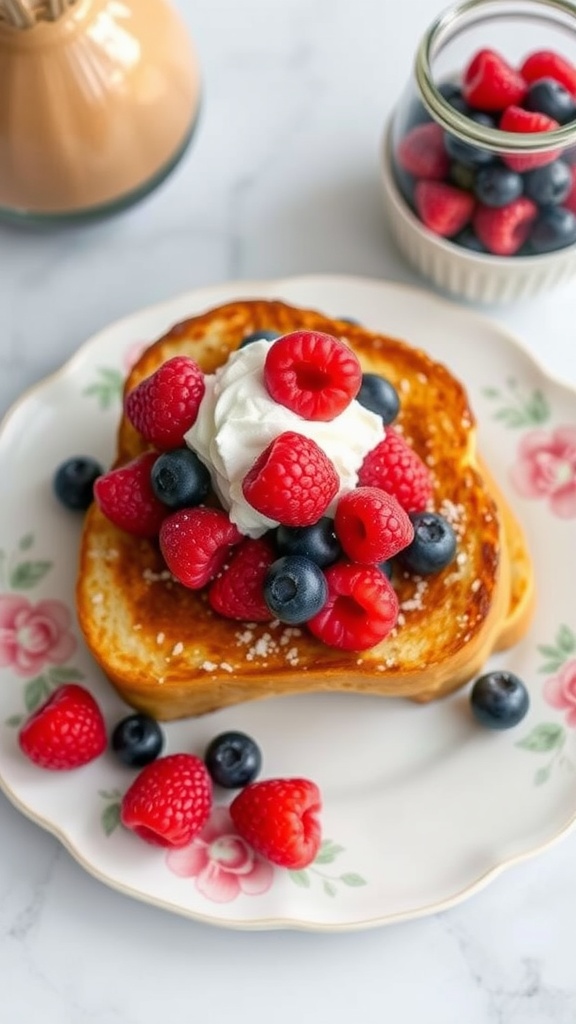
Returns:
(282, 179)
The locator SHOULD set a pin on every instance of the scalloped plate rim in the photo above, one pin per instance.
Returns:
(273, 288)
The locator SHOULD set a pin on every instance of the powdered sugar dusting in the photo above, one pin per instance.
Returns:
(262, 647)
(455, 514)
(415, 602)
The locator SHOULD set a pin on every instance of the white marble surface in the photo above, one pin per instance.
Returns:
(282, 179)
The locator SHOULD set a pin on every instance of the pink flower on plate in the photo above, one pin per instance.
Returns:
(221, 862)
(560, 691)
(546, 468)
(33, 634)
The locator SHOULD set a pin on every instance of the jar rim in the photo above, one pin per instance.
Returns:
(454, 121)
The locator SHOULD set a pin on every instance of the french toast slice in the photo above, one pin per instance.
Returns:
(167, 653)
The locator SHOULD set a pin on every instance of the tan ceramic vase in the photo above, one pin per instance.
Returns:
(99, 101)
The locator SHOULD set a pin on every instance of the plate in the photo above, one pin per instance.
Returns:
(422, 806)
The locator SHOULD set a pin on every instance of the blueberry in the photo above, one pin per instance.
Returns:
(380, 396)
(462, 176)
(468, 239)
(547, 96)
(74, 481)
(554, 229)
(233, 759)
(259, 336)
(318, 542)
(295, 589)
(497, 185)
(137, 740)
(386, 568)
(466, 152)
(179, 479)
(499, 700)
(549, 185)
(452, 93)
(433, 546)
(406, 184)
(416, 114)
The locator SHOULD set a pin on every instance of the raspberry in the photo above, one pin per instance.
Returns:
(169, 801)
(443, 209)
(67, 731)
(362, 608)
(504, 230)
(395, 467)
(238, 592)
(490, 83)
(422, 153)
(371, 525)
(312, 374)
(165, 405)
(514, 119)
(126, 498)
(196, 543)
(279, 819)
(292, 482)
(547, 64)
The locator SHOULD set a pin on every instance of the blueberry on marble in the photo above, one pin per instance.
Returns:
(137, 740)
(259, 336)
(547, 96)
(548, 185)
(233, 759)
(317, 542)
(380, 396)
(73, 482)
(295, 589)
(554, 229)
(179, 479)
(497, 185)
(499, 700)
(433, 546)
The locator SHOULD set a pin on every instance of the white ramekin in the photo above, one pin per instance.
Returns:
(474, 276)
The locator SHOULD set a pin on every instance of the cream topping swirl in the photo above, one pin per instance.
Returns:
(238, 419)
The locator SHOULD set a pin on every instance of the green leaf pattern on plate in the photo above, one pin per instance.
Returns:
(331, 883)
(107, 388)
(560, 692)
(518, 409)
(110, 816)
(17, 573)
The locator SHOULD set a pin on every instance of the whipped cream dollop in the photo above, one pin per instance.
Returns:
(238, 419)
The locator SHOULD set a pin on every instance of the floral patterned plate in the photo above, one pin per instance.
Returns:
(421, 806)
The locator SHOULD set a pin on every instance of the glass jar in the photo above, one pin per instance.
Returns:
(99, 102)
(474, 157)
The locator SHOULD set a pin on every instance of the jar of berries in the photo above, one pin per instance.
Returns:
(479, 159)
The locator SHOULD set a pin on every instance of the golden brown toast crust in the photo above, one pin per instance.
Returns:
(167, 653)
